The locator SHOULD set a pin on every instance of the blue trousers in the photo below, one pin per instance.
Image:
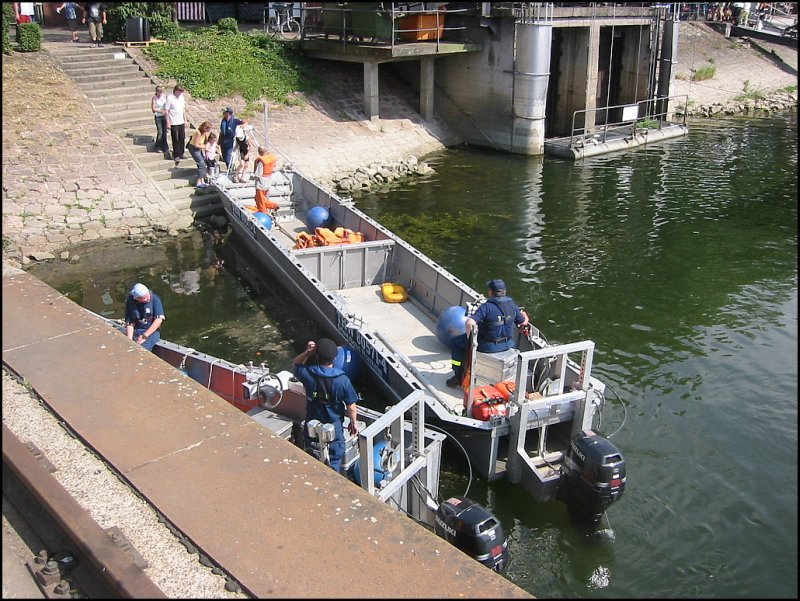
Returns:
(151, 339)
(458, 349)
(327, 415)
(161, 133)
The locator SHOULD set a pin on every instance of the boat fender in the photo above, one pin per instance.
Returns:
(394, 293)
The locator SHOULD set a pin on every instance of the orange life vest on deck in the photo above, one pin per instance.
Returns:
(305, 240)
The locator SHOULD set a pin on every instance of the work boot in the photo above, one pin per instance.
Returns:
(455, 381)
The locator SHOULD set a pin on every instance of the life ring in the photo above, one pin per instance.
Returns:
(394, 293)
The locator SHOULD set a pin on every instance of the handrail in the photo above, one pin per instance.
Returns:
(650, 113)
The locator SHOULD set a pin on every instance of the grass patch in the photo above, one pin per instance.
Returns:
(704, 73)
(787, 89)
(751, 95)
(647, 124)
(211, 63)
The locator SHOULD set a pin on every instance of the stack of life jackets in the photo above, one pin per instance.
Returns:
(324, 236)
(491, 400)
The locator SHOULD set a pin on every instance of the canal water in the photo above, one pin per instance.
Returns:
(679, 260)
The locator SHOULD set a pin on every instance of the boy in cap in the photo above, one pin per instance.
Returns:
(329, 393)
(495, 320)
(144, 315)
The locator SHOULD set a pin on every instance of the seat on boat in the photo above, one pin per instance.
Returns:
(394, 293)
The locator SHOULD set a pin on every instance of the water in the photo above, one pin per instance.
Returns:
(679, 260)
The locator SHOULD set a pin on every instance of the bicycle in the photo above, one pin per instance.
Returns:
(283, 22)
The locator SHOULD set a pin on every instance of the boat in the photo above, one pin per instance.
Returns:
(336, 262)
(396, 460)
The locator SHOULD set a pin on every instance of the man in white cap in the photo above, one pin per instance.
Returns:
(144, 315)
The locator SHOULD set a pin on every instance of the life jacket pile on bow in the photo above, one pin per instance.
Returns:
(324, 236)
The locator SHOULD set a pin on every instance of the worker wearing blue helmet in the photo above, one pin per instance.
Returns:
(495, 319)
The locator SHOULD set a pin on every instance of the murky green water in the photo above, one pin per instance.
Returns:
(679, 260)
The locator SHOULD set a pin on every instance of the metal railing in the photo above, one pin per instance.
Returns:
(648, 114)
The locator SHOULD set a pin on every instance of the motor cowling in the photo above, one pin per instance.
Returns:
(594, 476)
(474, 530)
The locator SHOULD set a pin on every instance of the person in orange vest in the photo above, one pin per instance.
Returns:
(263, 167)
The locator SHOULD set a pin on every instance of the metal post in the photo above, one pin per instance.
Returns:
(266, 123)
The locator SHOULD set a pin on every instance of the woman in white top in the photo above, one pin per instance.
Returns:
(240, 140)
(157, 104)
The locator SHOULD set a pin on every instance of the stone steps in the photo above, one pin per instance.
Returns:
(107, 68)
(121, 92)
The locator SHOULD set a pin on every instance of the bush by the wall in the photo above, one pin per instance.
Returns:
(228, 25)
(29, 37)
(119, 12)
(164, 28)
(8, 19)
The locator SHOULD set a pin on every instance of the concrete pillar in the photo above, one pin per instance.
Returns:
(666, 69)
(592, 68)
(426, 88)
(371, 91)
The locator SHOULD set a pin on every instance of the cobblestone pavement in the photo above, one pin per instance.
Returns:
(66, 179)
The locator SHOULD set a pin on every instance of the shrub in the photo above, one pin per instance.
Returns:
(704, 73)
(164, 28)
(118, 12)
(8, 19)
(29, 37)
(228, 25)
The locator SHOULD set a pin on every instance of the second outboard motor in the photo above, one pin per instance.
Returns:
(594, 476)
(473, 529)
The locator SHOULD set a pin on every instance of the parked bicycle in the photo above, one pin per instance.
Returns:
(282, 23)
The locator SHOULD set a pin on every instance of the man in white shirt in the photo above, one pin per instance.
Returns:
(176, 122)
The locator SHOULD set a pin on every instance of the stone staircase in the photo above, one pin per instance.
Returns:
(120, 92)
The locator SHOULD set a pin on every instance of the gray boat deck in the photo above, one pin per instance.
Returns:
(411, 333)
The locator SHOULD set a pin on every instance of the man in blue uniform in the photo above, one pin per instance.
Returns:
(329, 393)
(144, 314)
(495, 319)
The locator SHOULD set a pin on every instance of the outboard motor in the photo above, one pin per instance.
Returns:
(594, 476)
(473, 529)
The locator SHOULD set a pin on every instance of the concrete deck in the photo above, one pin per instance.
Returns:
(279, 522)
